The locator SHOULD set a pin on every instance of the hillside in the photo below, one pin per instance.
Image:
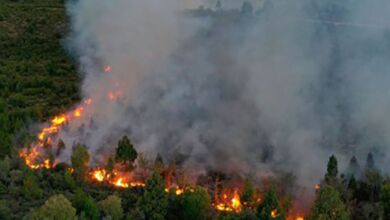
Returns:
(37, 76)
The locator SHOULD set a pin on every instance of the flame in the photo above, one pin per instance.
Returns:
(119, 183)
(35, 157)
(317, 187)
(274, 213)
(99, 175)
(58, 120)
(299, 218)
(78, 111)
(234, 205)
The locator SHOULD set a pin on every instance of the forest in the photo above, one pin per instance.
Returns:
(40, 82)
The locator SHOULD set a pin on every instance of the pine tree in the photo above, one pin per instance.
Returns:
(112, 207)
(125, 153)
(196, 204)
(247, 193)
(370, 164)
(154, 202)
(269, 208)
(80, 160)
(386, 201)
(332, 171)
(328, 206)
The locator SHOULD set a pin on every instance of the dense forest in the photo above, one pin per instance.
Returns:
(39, 79)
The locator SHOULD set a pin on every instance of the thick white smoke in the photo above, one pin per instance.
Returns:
(281, 88)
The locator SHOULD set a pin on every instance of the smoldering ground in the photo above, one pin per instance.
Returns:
(279, 86)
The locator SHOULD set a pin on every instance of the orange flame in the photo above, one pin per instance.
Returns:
(274, 213)
(234, 205)
(78, 111)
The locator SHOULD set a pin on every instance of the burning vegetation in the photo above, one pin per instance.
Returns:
(125, 169)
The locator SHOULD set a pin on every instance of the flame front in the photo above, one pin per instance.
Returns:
(232, 205)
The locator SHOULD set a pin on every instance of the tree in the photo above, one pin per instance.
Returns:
(248, 193)
(5, 211)
(328, 206)
(269, 208)
(60, 147)
(370, 163)
(125, 152)
(85, 205)
(196, 204)
(353, 168)
(332, 170)
(218, 6)
(112, 207)
(247, 8)
(31, 187)
(386, 201)
(80, 159)
(154, 202)
(57, 207)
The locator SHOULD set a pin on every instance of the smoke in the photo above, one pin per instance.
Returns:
(281, 88)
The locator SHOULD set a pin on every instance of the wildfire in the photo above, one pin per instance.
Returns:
(77, 113)
(234, 205)
(34, 157)
(99, 175)
(274, 213)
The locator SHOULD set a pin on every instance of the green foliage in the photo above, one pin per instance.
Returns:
(37, 77)
(85, 205)
(332, 171)
(31, 187)
(270, 206)
(125, 152)
(57, 207)
(328, 206)
(80, 159)
(69, 181)
(5, 211)
(112, 207)
(248, 192)
(386, 201)
(196, 204)
(154, 202)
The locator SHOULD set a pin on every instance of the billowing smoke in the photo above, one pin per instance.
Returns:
(277, 86)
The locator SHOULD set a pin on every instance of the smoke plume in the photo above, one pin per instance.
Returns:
(279, 87)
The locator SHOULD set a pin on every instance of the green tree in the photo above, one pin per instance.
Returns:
(80, 159)
(60, 147)
(85, 204)
(31, 187)
(5, 211)
(154, 202)
(112, 207)
(328, 206)
(125, 152)
(269, 208)
(196, 204)
(57, 207)
(386, 201)
(248, 192)
(332, 171)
